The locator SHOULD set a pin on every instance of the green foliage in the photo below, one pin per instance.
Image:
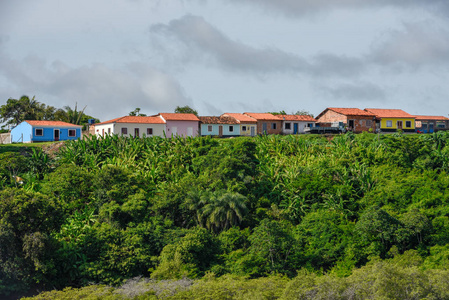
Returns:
(350, 216)
(185, 110)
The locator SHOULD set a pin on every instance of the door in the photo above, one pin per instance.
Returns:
(264, 128)
(220, 131)
(295, 128)
(56, 134)
(351, 125)
(136, 132)
(430, 127)
(399, 123)
(253, 131)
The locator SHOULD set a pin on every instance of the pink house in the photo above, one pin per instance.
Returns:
(180, 124)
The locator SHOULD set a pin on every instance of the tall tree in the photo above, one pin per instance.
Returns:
(136, 112)
(185, 110)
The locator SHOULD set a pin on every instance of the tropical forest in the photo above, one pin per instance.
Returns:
(343, 216)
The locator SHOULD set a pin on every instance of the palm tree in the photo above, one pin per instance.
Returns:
(224, 210)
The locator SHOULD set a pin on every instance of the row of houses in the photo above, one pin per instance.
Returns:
(225, 125)
(234, 124)
(382, 120)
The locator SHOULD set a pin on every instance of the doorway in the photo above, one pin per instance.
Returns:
(56, 134)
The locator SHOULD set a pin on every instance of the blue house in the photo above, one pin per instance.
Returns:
(44, 131)
(223, 126)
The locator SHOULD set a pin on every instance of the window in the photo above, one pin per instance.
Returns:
(38, 132)
(109, 130)
(72, 132)
(441, 124)
(288, 126)
(149, 131)
(309, 124)
(124, 130)
(273, 126)
(389, 123)
(231, 128)
(369, 123)
(243, 128)
(209, 128)
(408, 124)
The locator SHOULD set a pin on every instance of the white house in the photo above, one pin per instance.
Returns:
(134, 126)
(295, 124)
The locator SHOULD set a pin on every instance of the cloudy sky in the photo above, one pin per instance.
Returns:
(226, 55)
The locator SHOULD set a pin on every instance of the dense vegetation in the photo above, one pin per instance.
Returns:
(276, 216)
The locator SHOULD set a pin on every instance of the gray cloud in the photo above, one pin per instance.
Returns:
(416, 46)
(304, 7)
(357, 91)
(107, 92)
(206, 43)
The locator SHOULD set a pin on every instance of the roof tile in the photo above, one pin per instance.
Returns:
(389, 113)
(178, 117)
(135, 119)
(50, 123)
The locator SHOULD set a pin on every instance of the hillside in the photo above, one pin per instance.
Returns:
(241, 211)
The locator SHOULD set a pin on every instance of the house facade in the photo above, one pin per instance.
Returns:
(248, 125)
(266, 123)
(32, 131)
(296, 124)
(429, 124)
(222, 126)
(391, 120)
(131, 126)
(180, 124)
(353, 119)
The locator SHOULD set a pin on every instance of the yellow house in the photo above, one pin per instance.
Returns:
(391, 120)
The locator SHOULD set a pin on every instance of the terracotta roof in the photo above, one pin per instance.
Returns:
(51, 123)
(297, 118)
(135, 119)
(178, 117)
(218, 120)
(436, 118)
(263, 116)
(351, 111)
(389, 113)
(241, 118)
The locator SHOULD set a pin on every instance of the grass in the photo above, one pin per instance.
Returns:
(21, 147)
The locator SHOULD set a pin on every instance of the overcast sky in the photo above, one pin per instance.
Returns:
(226, 55)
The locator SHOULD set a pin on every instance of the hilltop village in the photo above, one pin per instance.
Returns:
(331, 120)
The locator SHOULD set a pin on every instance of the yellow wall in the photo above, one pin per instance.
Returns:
(248, 129)
(383, 123)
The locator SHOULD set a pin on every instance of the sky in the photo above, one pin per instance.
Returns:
(217, 56)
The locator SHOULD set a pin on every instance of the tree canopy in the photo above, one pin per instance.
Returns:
(185, 110)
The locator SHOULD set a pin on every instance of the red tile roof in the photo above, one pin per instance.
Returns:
(297, 118)
(351, 111)
(389, 113)
(51, 123)
(218, 120)
(436, 118)
(178, 117)
(135, 119)
(263, 116)
(241, 118)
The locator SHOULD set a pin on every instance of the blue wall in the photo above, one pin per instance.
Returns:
(28, 133)
(21, 133)
(215, 129)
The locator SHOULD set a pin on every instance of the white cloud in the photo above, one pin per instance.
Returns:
(208, 45)
(107, 92)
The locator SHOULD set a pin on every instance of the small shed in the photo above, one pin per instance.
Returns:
(31, 131)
